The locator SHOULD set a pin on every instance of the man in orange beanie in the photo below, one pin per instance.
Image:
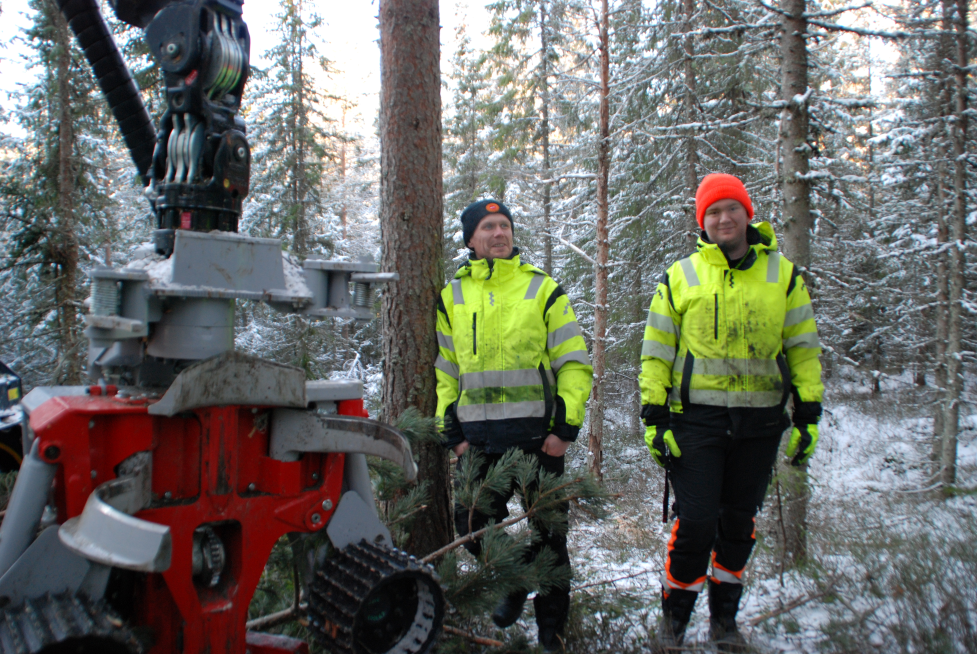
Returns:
(730, 337)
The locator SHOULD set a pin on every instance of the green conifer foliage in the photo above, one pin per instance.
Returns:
(54, 202)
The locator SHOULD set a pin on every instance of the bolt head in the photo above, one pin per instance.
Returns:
(327, 505)
(315, 475)
(94, 474)
(240, 152)
(172, 49)
(252, 486)
(167, 495)
(52, 452)
(316, 518)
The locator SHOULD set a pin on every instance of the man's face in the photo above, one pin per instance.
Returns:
(493, 237)
(725, 222)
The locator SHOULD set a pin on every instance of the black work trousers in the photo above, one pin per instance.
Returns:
(551, 608)
(720, 484)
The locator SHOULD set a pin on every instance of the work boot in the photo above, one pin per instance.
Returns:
(724, 602)
(551, 613)
(509, 609)
(677, 608)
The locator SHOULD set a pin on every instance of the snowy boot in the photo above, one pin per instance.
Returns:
(677, 607)
(509, 609)
(724, 603)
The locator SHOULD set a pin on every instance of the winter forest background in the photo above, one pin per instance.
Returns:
(853, 127)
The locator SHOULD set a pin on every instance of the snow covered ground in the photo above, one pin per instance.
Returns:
(892, 567)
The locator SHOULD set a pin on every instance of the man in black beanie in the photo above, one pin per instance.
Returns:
(513, 371)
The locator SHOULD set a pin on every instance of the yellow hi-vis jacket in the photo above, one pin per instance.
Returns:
(741, 338)
(512, 364)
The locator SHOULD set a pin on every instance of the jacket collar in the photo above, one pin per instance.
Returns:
(760, 238)
(481, 270)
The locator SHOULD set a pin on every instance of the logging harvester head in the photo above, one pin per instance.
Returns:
(148, 501)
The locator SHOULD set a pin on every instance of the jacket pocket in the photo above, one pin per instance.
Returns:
(687, 379)
(716, 317)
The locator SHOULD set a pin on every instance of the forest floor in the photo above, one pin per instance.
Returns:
(891, 566)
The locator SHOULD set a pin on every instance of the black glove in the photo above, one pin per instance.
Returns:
(656, 415)
(804, 436)
(806, 413)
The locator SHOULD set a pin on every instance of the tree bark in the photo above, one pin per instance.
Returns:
(956, 272)
(548, 247)
(596, 430)
(64, 250)
(300, 237)
(797, 220)
(940, 316)
(689, 111)
(411, 235)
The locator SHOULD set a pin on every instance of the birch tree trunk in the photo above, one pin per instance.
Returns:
(411, 235)
(596, 429)
(797, 217)
(64, 250)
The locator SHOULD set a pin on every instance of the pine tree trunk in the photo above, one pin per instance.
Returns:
(689, 110)
(300, 237)
(411, 234)
(548, 247)
(797, 219)
(596, 429)
(64, 250)
(956, 272)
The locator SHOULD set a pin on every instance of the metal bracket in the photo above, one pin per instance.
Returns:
(293, 432)
(353, 521)
(233, 378)
(107, 534)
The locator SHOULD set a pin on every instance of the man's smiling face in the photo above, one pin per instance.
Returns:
(493, 237)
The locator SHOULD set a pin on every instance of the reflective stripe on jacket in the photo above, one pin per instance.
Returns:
(732, 338)
(512, 364)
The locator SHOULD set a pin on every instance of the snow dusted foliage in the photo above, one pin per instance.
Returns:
(313, 186)
(699, 91)
(69, 201)
(292, 138)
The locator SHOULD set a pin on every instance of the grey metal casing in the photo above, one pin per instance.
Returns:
(49, 567)
(25, 507)
(233, 378)
(183, 305)
(353, 521)
(294, 432)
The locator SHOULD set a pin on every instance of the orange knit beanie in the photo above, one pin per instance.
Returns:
(720, 186)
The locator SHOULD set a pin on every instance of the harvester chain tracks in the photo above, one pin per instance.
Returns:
(368, 600)
(62, 623)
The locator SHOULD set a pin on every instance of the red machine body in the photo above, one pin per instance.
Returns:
(210, 467)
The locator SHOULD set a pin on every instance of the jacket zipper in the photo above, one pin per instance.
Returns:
(474, 315)
(716, 317)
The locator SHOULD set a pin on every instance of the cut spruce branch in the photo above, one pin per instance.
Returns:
(478, 640)
(794, 604)
(274, 619)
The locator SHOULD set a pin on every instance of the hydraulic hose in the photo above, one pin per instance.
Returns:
(114, 79)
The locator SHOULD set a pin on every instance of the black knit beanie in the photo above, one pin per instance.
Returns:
(476, 211)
